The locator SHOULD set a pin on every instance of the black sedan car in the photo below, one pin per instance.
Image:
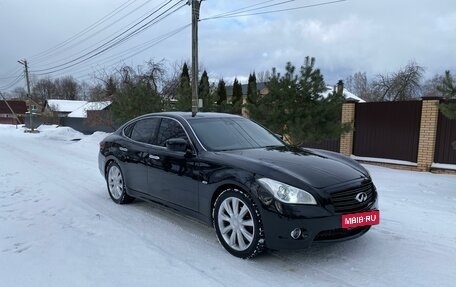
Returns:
(231, 173)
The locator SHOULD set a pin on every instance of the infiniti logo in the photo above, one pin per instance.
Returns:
(361, 197)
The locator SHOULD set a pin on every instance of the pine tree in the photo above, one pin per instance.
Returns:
(204, 93)
(295, 107)
(253, 107)
(448, 89)
(236, 99)
(448, 86)
(221, 96)
(184, 92)
(252, 92)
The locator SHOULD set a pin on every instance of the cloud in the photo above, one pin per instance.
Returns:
(347, 37)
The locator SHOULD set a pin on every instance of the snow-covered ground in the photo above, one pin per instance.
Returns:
(58, 227)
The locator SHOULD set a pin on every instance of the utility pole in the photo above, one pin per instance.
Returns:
(24, 63)
(196, 4)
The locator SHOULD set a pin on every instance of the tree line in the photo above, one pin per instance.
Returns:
(293, 105)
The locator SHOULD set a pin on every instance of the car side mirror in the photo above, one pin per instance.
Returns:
(177, 144)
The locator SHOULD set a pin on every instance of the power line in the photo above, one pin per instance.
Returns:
(84, 31)
(17, 70)
(102, 29)
(133, 51)
(114, 41)
(17, 79)
(246, 7)
(106, 43)
(250, 8)
(241, 14)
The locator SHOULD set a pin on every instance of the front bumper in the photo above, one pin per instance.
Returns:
(317, 224)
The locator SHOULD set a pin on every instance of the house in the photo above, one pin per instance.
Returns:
(61, 108)
(81, 112)
(11, 109)
(36, 107)
(347, 95)
(91, 117)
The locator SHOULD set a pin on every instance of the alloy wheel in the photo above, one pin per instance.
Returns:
(236, 223)
(115, 182)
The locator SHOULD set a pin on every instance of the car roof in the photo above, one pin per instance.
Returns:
(188, 115)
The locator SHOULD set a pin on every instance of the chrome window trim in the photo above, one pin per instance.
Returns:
(191, 128)
(160, 117)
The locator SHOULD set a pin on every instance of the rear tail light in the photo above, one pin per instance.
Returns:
(102, 144)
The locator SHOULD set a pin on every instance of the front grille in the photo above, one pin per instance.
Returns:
(345, 200)
(339, 233)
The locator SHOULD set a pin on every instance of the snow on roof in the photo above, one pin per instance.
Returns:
(81, 112)
(347, 94)
(65, 106)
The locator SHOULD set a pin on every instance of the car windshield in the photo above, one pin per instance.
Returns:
(219, 134)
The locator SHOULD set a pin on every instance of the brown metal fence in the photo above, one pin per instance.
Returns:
(387, 130)
(446, 134)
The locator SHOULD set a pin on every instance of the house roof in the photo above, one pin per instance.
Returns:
(64, 106)
(19, 107)
(81, 112)
(347, 94)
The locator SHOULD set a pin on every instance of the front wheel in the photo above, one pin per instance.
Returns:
(116, 184)
(238, 224)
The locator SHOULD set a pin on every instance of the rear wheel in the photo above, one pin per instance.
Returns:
(116, 184)
(238, 224)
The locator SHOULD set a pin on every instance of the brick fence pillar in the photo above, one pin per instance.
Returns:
(428, 131)
(346, 139)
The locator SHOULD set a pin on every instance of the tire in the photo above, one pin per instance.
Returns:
(238, 224)
(116, 184)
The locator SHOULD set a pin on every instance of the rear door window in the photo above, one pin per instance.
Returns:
(145, 130)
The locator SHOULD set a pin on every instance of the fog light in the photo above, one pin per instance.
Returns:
(296, 233)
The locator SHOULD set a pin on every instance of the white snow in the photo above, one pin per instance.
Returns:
(81, 112)
(444, 166)
(348, 95)
(58, 227)
(65, 106)
(384, 160)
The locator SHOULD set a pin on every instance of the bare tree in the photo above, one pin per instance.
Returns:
(19, 93)
(68, 88)
(263, 76)
(154, 75)
(360, 86)
(96, 93)
(404, 84)
(44, 89)
(431, 86)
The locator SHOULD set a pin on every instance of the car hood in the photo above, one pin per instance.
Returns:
(314, 169)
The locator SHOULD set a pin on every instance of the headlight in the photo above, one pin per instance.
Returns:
(287, 193)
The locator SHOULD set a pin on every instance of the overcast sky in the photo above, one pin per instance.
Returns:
(372, 36)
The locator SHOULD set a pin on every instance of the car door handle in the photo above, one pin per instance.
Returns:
(152, 156)
(123, 148)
